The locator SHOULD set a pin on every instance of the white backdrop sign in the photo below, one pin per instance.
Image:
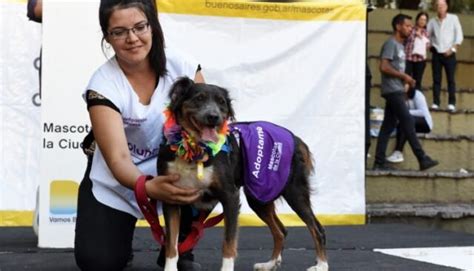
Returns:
(300, 65)
(20, 115)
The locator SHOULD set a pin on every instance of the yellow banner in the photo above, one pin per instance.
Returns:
(16, 218)
(296, 10)
(14, 1)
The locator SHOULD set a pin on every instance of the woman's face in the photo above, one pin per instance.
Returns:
(130, 36)
(422, 20)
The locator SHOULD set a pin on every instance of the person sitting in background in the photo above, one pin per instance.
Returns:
(418, 108)
(416, 46)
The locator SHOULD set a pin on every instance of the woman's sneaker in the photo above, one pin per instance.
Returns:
(451, 108)
(395, 157)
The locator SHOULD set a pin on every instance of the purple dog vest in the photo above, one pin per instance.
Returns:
(268, 150)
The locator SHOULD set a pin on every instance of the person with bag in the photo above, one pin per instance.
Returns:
(416, 46)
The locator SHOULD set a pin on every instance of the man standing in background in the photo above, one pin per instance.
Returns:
(394, 79)
(445, 34)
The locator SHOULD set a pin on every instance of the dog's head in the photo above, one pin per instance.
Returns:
(201, 109)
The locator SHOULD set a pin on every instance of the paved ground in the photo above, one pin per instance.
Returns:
(349, 248)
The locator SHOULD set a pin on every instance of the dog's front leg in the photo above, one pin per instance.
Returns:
(172, 220)
(231, 205)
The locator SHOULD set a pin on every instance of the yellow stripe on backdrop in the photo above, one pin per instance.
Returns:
(14, 1)
(349, 10)
(25, 218)
(290, 220)
(16, 218)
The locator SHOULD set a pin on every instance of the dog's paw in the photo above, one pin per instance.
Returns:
(170, 269)
(268, 266)
(227, 264)
(171, 264)
(321, 266)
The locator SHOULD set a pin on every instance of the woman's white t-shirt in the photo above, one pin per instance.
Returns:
(418, 108)
(143, 126)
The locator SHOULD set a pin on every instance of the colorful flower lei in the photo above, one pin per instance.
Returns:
(184, 145)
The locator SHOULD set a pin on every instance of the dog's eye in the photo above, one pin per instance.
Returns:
(221, 101)
(200, 98)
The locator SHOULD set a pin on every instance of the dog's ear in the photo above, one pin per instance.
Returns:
(178, 91)
(180, 88)
(230, 108)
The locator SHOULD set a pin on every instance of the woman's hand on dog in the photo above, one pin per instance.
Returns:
(162, 188)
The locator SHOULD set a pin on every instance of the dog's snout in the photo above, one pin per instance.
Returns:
(212, 119)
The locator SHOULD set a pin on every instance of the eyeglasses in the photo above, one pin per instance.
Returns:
(121, 33)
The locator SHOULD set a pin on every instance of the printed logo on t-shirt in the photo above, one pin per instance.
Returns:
(141, 152)
(133, 122)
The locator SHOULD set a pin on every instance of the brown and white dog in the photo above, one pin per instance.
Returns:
(202, 110)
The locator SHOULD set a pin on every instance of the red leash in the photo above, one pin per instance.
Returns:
(148, 208)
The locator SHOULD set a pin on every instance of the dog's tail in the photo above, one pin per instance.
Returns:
(306, 156)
